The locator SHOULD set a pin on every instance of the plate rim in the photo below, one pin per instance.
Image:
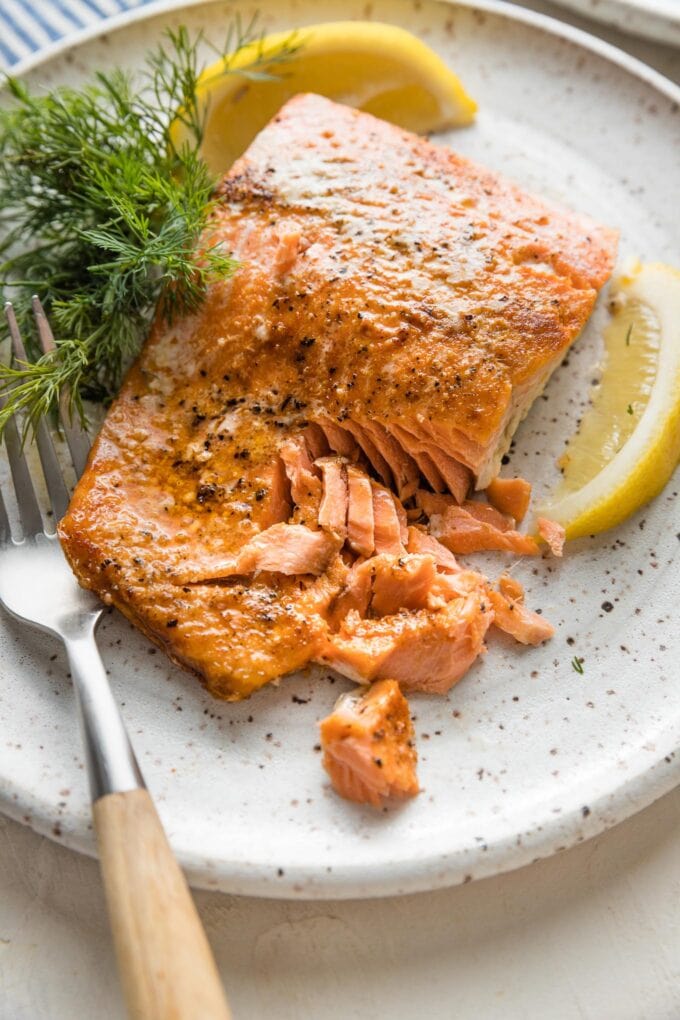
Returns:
(647, 782)
(655, 21)
(502, 8)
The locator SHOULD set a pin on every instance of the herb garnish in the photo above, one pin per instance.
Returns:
(628, 334)
(630, 410)
(577, 664)
(100, 214)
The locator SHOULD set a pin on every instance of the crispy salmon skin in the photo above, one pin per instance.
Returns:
(396, 310)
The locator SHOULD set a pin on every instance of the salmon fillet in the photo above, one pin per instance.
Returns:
(396, 310)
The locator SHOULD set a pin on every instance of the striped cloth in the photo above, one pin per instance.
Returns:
(29, 25)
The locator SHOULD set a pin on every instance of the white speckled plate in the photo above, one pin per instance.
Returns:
(652, 19)
(525, 756)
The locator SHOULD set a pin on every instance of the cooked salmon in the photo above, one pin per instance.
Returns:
(420, 541)
(475, 528)
(387, 526)
(304, 481)
(552, 533)
(368, 745)
(424, 650)
(334, 503)
(282, 549)
(396, 310)
(511, 588)
(512, 616)
(360, 519)
(511, 496)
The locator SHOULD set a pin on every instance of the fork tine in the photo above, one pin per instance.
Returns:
(5, 530)
(77, 439)
(29, 511)
(56, 488)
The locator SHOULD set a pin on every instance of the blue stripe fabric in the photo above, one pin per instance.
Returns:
(27, 26)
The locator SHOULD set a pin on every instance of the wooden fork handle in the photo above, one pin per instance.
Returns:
(166, 964)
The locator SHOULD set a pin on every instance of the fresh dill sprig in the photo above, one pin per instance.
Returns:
(100, 214)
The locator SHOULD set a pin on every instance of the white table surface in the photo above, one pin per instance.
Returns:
(592, 933)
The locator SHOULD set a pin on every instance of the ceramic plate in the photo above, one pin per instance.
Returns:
(525, 756)
(652, 19)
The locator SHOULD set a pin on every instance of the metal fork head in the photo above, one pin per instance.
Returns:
(37, 585)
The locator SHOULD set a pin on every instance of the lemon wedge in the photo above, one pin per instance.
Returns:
(628, 442)
(376, 67)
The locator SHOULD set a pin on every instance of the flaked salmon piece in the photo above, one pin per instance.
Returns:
(552, 533)
(385, 585)
(354, 595)
(383, 280)
(431, 472)
(289, 549)
(511, 588)
(511, 496)
(457, 477)
(414, 448)
(458, 444)
(335, 498)
(405, 472)
(434, 502)
(339, 440)
(488, 515)
(420, 541)
(448, 473)
(316, 441)
(305, 483)
(454, 586)
(462, 532)
(370, 450)
(403, 520)
(424, 651)
(369, 747)
(386, 524)
(515, 619)
(401, 583)
(360, 530)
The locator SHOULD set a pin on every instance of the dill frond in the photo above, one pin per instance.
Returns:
(100, 215)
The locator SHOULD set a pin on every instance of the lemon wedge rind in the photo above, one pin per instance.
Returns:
(640, 470)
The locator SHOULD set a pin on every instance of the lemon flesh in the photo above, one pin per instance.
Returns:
(375, 67)
(628, 443)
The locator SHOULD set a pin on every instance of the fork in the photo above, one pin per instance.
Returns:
(165, 961)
